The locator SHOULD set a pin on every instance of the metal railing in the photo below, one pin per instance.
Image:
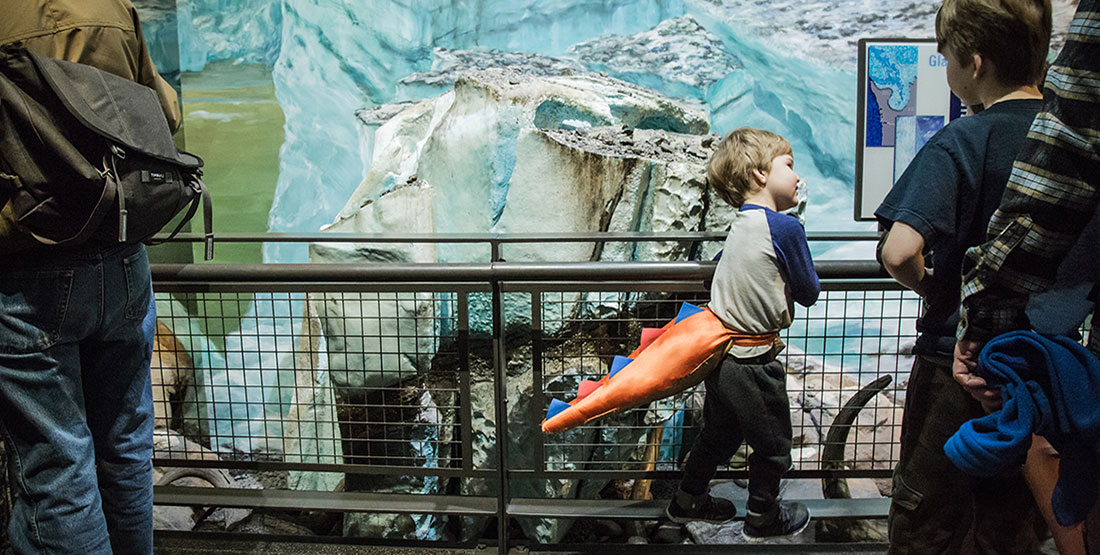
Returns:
(417, 389)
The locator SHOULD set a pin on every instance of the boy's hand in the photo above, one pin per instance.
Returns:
(964, 371)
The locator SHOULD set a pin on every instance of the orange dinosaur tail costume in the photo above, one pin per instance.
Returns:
(667, 361)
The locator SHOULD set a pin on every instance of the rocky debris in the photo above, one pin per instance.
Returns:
(268, 524)
(412, 424)
(449, 64)
(168, 444)
(678, 50)
(625, 142)
(381, 114)
(173, 373)
(620, 437)
(818, 391)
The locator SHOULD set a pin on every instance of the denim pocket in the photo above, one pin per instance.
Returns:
(32, 309)
(138, 287)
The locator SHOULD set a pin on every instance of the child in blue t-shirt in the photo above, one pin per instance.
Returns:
(765, 267)
(940, 206)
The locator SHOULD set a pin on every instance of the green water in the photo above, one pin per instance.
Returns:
(232, 120)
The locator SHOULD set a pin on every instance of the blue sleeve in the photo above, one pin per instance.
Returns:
(925, 195)
(789, 242)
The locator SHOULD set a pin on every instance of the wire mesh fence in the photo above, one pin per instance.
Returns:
(844, 343)
(395, 395)
(325, 378)
(401, 380)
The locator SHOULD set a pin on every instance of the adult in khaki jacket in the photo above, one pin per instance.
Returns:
(103, 34)
(100, 33)
(76, 332)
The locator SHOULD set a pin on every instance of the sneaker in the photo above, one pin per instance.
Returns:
(686, 508)
(790, 519)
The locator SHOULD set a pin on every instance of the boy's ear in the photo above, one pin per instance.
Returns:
(760, 176)
(980, 67)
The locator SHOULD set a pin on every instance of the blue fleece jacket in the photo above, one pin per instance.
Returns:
(1049, 386)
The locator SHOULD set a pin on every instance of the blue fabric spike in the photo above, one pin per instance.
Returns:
(687, 309)
(556, 407)
(618, 363)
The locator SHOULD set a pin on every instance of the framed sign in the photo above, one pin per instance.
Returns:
(903, 101)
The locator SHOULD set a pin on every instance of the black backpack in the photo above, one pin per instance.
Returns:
(86, 155)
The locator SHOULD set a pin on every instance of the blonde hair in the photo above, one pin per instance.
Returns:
(745, 149)
(1014, 34)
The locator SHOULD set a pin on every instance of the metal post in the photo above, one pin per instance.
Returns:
(500, 375)
(462, 306)
(538, 399)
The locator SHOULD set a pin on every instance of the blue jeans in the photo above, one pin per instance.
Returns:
(76, 404)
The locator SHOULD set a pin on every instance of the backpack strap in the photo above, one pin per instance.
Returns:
(102, 206)
(203, 196)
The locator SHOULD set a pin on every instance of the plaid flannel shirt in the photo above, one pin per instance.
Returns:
(1050, 197)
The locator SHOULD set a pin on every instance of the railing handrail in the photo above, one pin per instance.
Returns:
(479, 272)
(499, 238)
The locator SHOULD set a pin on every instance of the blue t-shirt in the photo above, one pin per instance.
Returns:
(948, 194)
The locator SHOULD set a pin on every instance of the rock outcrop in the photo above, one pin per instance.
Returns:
(173, 373)
(507, 152)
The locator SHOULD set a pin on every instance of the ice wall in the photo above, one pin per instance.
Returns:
(246, 31)
(787, 65)
(331, 59)
(337, 58)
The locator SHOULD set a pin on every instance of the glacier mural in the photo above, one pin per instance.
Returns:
(783, 65)
(330, 59)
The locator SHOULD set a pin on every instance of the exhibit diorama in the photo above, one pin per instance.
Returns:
(503, 117)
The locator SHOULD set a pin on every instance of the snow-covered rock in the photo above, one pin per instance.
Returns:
(507, 152)
(373, 339)
(510, 152)
(677, 57)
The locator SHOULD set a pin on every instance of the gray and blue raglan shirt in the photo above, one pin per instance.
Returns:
(764, 269)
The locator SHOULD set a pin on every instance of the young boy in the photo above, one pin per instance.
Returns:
(995, 50)
(765, 264)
